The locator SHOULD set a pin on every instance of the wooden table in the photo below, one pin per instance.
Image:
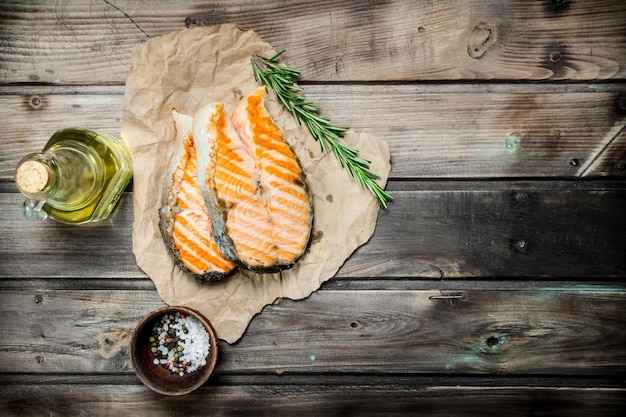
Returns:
(493, 284)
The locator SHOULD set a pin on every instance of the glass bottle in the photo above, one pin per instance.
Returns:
(77, 178)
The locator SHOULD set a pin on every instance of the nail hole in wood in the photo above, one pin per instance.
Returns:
(555, 56)
(574, 162)
(34, 103)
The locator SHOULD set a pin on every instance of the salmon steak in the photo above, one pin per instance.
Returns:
(184, 220)
(253, 185)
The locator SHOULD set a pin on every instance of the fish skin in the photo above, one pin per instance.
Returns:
(263, 220)
(217, 140)
(183, 213)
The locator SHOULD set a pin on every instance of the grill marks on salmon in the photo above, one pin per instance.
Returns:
(282, 208)
(197, 249)
(232, 168)
(235, 193)
(184, 220)
(254, 186)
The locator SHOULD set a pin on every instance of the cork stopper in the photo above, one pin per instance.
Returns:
(32, 176)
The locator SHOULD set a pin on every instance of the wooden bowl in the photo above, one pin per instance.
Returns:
(156, 377)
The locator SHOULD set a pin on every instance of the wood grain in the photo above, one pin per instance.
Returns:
(314, 400)
(82, 42)
(49, 249)
(513, 232)
(610, 162)
(433, 131)
(552, 331)
(493, 284)
(462, 230)
(32, 117)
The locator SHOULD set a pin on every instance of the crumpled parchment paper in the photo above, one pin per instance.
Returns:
(183, 71)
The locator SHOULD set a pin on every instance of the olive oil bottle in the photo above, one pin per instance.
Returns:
(77, 178)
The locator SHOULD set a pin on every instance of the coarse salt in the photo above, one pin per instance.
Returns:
(183, 343)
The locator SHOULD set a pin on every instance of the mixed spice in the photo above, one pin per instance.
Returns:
(179, 343)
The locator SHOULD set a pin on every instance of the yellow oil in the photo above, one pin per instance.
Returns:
(96, 170)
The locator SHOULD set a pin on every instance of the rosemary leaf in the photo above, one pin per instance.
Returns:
(284, 82)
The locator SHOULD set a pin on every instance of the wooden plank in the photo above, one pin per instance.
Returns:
(49, 249)
(532, 321)
(32, 117)
(481, 130)
(458, 230)
(611, 161)
(566, 330)
(433, 131)
(86, 43)
(298, 400)
(513, 232)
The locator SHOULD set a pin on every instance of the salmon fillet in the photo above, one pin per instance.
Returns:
(255, 189)
(184, 219)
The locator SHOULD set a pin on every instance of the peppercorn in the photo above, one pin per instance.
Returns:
(167, 339)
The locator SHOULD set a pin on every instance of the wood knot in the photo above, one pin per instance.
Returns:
(512, 141)
(205, 19)
(482, 38)
(521, 198)
(557, 5)
(495, 341)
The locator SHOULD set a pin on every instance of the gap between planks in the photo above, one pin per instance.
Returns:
(425, 381)
(470, 184)
(442, 87)
(450, 287)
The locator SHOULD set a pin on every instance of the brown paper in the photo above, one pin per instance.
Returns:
(183, 71)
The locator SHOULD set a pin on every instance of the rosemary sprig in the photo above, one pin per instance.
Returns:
(284, 82)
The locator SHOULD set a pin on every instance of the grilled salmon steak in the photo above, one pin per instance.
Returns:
(255, 190)
(184, 220)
